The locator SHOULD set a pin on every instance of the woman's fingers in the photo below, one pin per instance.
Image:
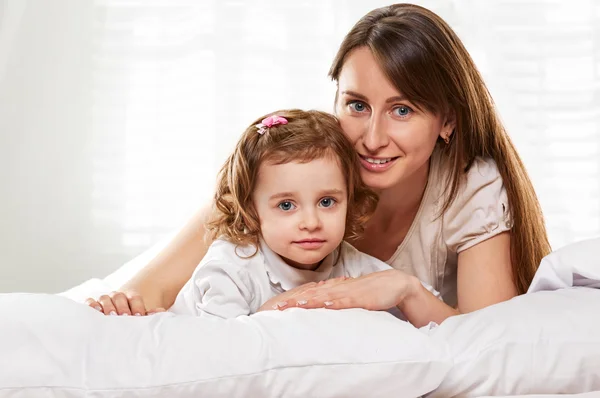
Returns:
(337, 280)
(107, 305)
(121, 303)
(136, 304)
(94, 304)
(323, 296)
(339, 303)
(280, 301)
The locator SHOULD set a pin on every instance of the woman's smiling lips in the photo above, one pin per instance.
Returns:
(310, 244)
(377, 164)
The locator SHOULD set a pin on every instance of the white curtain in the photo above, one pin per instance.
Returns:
(115, 115)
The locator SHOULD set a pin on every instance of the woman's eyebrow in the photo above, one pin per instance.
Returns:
(355, 94)
(397, 98)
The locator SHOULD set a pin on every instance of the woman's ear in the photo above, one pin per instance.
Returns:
(448, 127)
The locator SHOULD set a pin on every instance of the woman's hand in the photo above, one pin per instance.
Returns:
(282, 301)
(377, 291)
(121, 303)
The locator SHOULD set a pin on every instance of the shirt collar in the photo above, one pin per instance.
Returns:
(289, 277)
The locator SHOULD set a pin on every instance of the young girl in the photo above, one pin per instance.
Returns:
(286, 199)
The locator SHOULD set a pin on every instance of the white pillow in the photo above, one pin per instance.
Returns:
(577, 264)
(541, 343)
(54, 347)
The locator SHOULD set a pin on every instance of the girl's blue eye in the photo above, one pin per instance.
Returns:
(286, 206)
(402, 111)
(327, 202)
(357, 106)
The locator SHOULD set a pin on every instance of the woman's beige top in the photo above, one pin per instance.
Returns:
(480, 211)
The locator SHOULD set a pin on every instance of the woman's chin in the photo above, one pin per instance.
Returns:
(379, 182)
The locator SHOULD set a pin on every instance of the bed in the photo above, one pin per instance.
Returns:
(540, 344)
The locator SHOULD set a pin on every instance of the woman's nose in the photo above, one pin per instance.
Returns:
(375, 136)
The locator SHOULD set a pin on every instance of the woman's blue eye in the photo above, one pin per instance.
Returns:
(357, 106)
(286, 206)
(327, 202)
(403, 111)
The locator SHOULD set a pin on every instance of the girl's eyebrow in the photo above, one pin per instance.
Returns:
(397, 98)
(285, 195)
(281, 195)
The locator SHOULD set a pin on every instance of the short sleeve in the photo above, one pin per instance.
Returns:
(480, 211)
(216, 290)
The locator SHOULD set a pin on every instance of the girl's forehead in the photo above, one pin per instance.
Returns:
(317, 171)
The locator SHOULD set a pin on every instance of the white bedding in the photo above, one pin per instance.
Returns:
(544, 342)
(594, 394)
(54, 347)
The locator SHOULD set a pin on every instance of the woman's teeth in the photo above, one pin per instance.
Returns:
(378, 161)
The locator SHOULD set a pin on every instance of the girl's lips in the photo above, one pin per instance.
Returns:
(377, 168)
(310, 244)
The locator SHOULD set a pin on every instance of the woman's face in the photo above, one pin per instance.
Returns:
(393, 138)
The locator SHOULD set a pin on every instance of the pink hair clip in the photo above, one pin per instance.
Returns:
(270, 121)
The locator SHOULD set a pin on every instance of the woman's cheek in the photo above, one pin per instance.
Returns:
(351, 128)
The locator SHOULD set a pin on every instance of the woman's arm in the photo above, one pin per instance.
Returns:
(485, 274)
(155, 287)
(484, 278)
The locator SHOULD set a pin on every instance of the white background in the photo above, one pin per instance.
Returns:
(115, 115)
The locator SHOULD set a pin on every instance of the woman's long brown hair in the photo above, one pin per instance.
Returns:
(426, 61)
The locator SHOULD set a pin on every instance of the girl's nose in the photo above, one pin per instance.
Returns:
(310, 220)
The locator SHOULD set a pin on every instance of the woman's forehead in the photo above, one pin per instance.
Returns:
(362, 75)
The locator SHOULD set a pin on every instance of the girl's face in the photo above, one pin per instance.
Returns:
(393, 138)
(302, 209)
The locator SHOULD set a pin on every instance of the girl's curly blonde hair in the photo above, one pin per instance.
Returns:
(308, 135)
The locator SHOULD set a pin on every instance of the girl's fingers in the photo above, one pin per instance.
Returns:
(155, 311)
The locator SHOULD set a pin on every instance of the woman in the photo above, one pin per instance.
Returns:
(456, 210)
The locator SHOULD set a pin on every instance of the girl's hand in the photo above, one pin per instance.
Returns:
(281, 301)
(377, 291)
(121, 303)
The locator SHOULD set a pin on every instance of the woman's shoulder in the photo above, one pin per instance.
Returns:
(480, 208)
(480, 172)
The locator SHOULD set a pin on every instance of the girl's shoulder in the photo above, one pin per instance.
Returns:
(223, 250)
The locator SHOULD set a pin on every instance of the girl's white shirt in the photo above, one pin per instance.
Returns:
(231, 281)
